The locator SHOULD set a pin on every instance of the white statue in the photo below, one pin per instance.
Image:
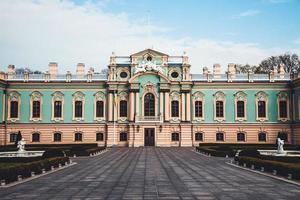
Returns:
(280, 144)
(21, 145)
(148, 66)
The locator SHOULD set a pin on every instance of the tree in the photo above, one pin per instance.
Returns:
(243, 69)
(104, 71)
(18, 138)
(22, 70)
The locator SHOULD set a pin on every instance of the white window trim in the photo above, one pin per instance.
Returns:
(198, 96)
(240, 96)
(175, 96)
(262, 96)
(122, 96)
(14, 96)
(220, 96)
(99, 96)
(283, 96)
(78, 96)
(36, 96)
(58, 96)
(245, 134)
(150, 88)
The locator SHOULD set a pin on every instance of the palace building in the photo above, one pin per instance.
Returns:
(149, 99)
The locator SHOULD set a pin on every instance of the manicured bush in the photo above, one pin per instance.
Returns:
(216, 152)
(20, 159)
(10, 172)
(249, 153)
(50, 153)
(79, 151)
(282, 168)
(287, 159)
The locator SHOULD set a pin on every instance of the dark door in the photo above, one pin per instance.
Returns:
(149, 136)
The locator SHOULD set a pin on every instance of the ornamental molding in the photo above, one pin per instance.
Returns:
(148, 65)
(219, 96)
(240, 96)
(78, 96)
(261, 96)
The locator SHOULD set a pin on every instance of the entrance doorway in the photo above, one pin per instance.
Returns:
(149, 137)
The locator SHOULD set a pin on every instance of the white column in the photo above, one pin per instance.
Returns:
(115, 104)
(161, 105)
(131, 103)
(188, 106)
(137, 104)
(167, 107)
(182, 106)
(110, 106)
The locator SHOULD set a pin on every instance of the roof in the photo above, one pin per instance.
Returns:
(150, 51)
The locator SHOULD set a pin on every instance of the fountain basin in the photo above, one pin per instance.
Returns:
(11, 154)
(289, 153)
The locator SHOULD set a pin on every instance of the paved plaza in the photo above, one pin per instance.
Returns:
(152, 173)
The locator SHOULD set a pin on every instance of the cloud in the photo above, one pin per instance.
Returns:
(247, 13)
(34, 33)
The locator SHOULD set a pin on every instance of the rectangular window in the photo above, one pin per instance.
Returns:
(14, 109)
(36, 109)
(198, 109)
(261, 107)
(240, 109)
(123, 108)
(57, 109)
(99, 109)
(175, 108)
(78, 109)
(219, 109)
(282, 109)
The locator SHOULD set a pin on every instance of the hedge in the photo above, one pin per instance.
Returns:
(282, 168)
(78, 151)
(216, 152)
(10, 172)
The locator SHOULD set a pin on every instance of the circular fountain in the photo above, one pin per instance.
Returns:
(280, 151)
(21, 152)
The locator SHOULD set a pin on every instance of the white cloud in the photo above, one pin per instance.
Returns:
(34, 33)
(247, 13)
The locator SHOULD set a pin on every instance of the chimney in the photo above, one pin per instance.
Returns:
(217, 70)
(80, 70)
(2, 75)
(53, 69)
(231, 69)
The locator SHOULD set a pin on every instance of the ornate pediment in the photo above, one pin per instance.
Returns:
(148, 51)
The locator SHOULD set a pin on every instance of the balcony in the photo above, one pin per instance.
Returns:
(149, 119)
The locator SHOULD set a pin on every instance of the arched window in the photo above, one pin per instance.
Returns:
(78, 109)
(261, 107)
(219, 109)
(78, 137)
(99, 136)
(35, 137)
(57, 109)
(123, 136)
(99, 108)
(14, 109)
(199, 136)
(240, 109)
(35, 102)
(175, 108)
(123, 108)
(283, 136)
(12, 137)
(175, 136)
(149, 105)
(240, 137)
(198, 109)
(220, 136)
(57, 137)
(262, 137)
(36, 108)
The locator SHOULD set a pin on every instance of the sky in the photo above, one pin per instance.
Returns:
(36, 32)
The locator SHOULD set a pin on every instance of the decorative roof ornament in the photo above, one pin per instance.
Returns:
(148, 65)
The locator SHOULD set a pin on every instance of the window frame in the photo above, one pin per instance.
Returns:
(38, 139)
(123, 137)
(78, 96)
(54, 137)
(265, 135)
(283, 96)
(243, 137)
(15, 137)
(175, 113)
(223, 137)
(99, 97)
(78, 137)
(240, 97)
(14, 96)
(198, 96)
(101, 139)
(202, 137)
(175, 137)
(262, 96)
(56, 97)
(219, 97)
(36, 97)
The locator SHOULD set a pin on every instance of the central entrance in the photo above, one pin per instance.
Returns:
(149, 137)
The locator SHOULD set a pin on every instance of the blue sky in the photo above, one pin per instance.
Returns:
(211, 31)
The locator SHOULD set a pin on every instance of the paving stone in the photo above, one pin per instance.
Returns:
(152, 173)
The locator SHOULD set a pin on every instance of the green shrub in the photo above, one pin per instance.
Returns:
(10, 173)
(282, 168)
(20, 159)
(50, 153)
(216, 152)
(249, 153)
